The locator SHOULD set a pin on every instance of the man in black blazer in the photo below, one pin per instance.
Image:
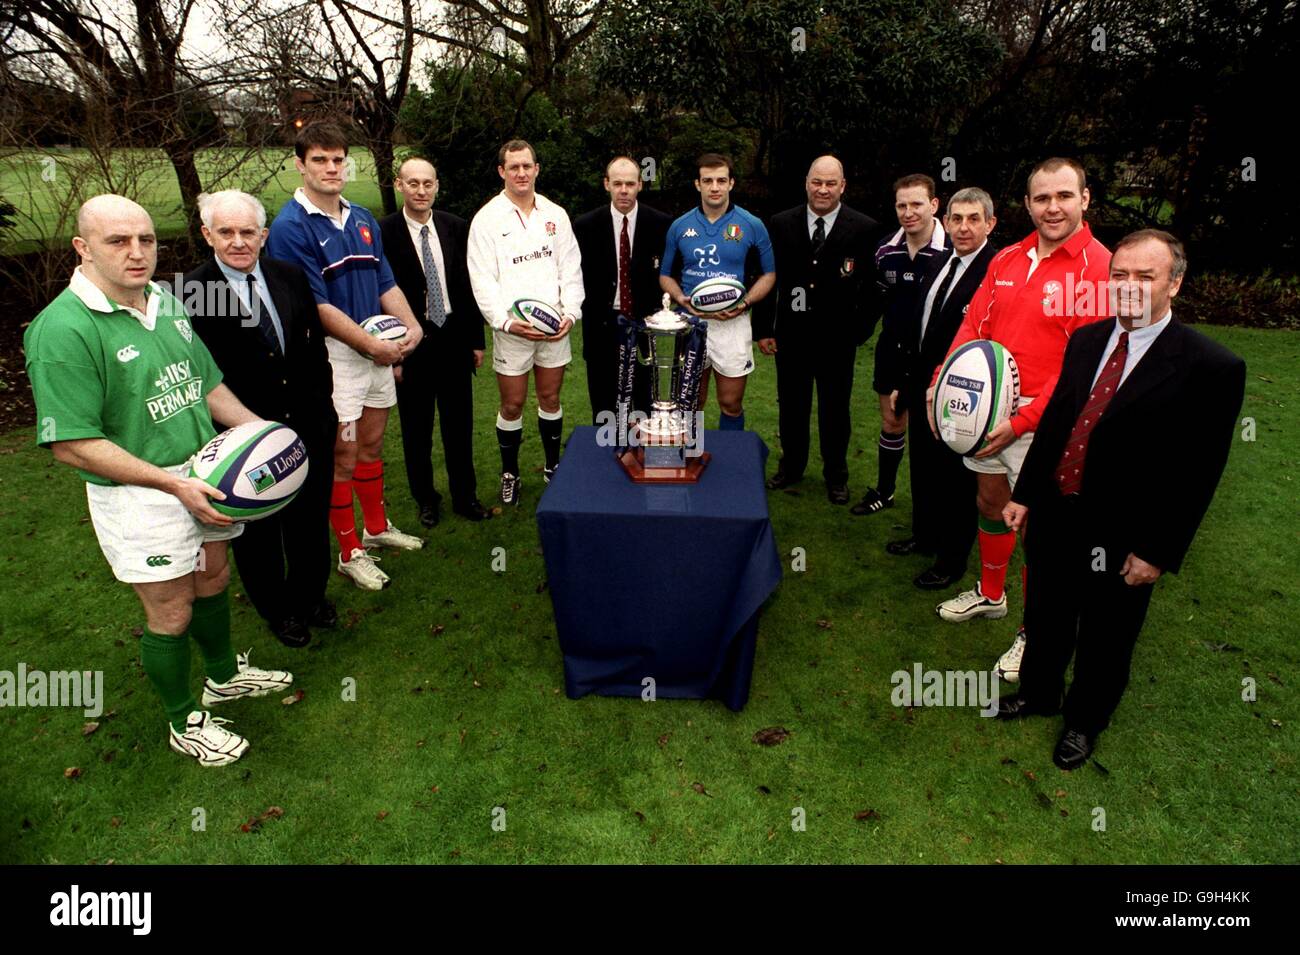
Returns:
(606, 259)
(420, 241)
(259, 321)
(944, 516)
(1124, 464)
(823, 309)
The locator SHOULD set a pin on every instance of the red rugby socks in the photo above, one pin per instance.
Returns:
(997, 544)
(368, 481)
(343, 519)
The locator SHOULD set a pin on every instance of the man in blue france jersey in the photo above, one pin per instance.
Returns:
(338, 245)
(717, 240)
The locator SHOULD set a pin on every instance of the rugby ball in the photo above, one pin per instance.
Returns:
(384, 327)
(544, 317)
(716, 295)
(259, 466)
(978, 388)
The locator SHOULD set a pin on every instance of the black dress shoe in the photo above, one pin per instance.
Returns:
(905, 548)
(430, 514)
(292, 632)
(781, 480)
(1073, 749)
(935, 580)
(324, 615)
(1014, 706)
(473, 511)
(837, 493)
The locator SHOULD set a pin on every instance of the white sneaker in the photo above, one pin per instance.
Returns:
(248, 681)
(361, 568)
(206, 741)
(971, 604)
(1008, 665)
(548, 473)
(392, 537)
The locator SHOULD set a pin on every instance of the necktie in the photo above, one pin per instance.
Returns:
(941, 296)
(625, 272)
(263, 315)
(819, 234)
(1069, 473)
(434, 308)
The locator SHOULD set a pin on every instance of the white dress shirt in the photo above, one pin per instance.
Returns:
(961, 265)
(421, 309)
(618, 218)
(1139, 340)
(829, 218)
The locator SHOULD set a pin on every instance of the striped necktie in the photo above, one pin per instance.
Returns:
(434, 308)
(1069, 473)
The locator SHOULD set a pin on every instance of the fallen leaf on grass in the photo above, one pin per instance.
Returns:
(293, 698)
(1008, 761)
(255, 822)
(771, 736)
(437, 629)
(383, 814)
(1030, 776)
(863, 814)
(433, 789)
(1043, 800)
(699, 788)
(824, 624)
(1220, 647)
(89, 728)
(663, 740)
(137, 632)
(764, 790)
(639, 814)
(1060, 793)
(72, 772)
(1276, 724)
(115, 822)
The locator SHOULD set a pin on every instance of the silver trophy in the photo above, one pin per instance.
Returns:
(663, 437)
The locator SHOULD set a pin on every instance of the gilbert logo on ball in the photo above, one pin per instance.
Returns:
(716, 295)
(387, 328)
(259, 466)
(543, 316)
(978, 388)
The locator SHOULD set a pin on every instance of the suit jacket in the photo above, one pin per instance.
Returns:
(925, 357)
(594, 231)
(837, 302)
(295, 387)
(1156, 456)
(463, 330)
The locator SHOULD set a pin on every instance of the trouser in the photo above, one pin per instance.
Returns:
(1077, 604)
(440, 376)
(945, 516)
(284, 560)
(600, 352)
(800, 366)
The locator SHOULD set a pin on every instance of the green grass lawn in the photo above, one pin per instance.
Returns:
(39, 182)
(459, 704)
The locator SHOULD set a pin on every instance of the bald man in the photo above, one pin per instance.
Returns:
(126, 393)
(822, 311)
(621, 244)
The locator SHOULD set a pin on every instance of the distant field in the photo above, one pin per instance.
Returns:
(47, 185)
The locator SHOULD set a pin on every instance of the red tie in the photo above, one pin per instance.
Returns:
(1069, 473)
(625, 272)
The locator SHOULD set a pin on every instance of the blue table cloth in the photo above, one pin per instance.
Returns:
(659, 581)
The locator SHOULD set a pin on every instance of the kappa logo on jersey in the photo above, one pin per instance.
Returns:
(365, 234)
(733, 233)
(127, 353)
(187, 333)
(689, 234)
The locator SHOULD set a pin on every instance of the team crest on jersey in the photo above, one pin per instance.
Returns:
(689, 234)
(365, 234)
(733, 233)
(550, 228)
(187, 333)
(1051, 290)
(847, 267)
(891, 276)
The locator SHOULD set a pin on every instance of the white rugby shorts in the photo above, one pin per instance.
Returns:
(358, 382)
(512, 355)
(147, 535)
(1010, 459)
(730, 349)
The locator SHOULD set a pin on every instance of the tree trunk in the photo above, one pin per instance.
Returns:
(181, 155)
(381, 149)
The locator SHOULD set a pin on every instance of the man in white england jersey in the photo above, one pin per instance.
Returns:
(521, 245)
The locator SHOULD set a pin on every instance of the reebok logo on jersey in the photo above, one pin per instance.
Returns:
(127, 353)
(1006, 282)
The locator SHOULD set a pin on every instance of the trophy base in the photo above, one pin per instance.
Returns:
(645, 467)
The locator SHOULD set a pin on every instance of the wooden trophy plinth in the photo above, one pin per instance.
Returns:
(662, 463)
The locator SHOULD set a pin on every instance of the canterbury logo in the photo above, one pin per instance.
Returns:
(126, 354)
(159, 560)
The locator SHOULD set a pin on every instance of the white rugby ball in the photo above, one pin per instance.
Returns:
(543, 316)
(260, 467)
(716, 295)
(384, 327)
(978, 388)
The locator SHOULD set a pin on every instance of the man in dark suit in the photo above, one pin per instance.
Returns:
(823, 309)
(422, 243)
(944, 516)
(259, 321)
(621, 244)
(1127, 457)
